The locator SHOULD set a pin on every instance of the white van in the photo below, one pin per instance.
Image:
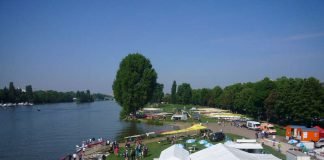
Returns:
(253, 125)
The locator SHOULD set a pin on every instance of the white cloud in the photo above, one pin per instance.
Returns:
(305, 36)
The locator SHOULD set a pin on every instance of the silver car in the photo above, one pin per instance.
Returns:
(319, 143)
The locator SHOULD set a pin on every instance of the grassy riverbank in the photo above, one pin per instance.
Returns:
(155, 148)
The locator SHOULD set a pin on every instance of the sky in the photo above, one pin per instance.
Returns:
(78, 44)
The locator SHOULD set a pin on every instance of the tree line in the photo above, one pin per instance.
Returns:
(284, 100)
(17, 95)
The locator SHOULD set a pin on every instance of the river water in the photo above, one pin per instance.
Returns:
(52, 132)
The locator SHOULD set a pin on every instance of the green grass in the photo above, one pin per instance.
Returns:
(270, 150)
(156, 148)
(281, 131)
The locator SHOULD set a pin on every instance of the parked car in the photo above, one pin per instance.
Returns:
(217, 136)
(253, 125)
(320, 143)
(196, 116)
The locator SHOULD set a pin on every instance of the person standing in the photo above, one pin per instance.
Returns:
(274, 140)
(132, 154)
(279, 146)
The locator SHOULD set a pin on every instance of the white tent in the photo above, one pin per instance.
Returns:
(244, 145)
(221, 152)
(174, 153)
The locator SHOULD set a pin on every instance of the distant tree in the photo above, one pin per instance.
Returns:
(269, 105)
(184, 94)
(229, 94)
(174, 92)
(5, 95)
(205, 96)
(167, 98)
(157, 93)
(196, 97)
(12, 93)
(29, 93)
(134, 83)
(245, 102)
(1, 96)
(216, 93)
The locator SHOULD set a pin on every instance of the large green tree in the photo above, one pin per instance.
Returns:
(174, 92)
(158, 93)
(29, 93)
(134, 83)
(12, 93)
(184, 94)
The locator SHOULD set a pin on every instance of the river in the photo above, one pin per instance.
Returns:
(52, 132)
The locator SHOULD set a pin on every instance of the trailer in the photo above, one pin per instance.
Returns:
(253, 125)
(294, 131)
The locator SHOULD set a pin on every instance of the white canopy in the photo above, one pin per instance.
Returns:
(244, 145)
(221, 152)
(174, 153)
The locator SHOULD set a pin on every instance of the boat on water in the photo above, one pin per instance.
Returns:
(16, 104)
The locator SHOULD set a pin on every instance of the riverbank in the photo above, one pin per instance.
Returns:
(155, 147)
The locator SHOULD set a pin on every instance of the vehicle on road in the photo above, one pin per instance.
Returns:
(268, 128)
(253, 125)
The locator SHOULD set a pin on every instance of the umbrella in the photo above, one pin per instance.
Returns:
(180, 145)
(300, 145)
(190, 141)
(208, 145)
(203, 142)
(292, 141)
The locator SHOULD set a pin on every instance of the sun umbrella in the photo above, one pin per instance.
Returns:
(292, 141)
(180, 145)
(300, 145)
(208, 145)
(203, 142)
(190, 141)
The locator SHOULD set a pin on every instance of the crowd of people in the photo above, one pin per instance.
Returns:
(138, 152)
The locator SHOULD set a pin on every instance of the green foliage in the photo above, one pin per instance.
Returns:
(157, 93)
(270, 150)
(184, 94)
(29, 93)
(17, 95)
(174, 92)
(51, 96)
(167, 98)
(101, 97)
(84, 97)
(134, 83)
(12, 93)
(283, 101)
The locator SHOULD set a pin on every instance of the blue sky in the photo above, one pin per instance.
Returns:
(78, 44)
